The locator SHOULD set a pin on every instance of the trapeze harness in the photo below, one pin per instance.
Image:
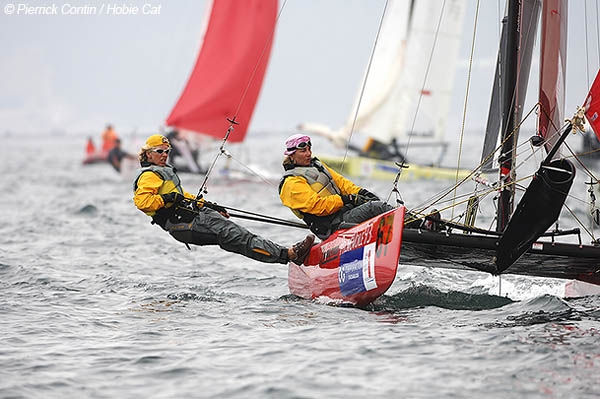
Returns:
(171, 183)
(320, 180)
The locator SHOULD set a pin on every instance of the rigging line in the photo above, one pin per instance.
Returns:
(258, 214)
(581, 154)
(255, 173)
(232, 120)
(222, 150)
(556, 133)
(262, 54)
(464, 118)
(437, 31)
(492, 189)
(479, 194)
(458, 203)
(579, 221)
(483, 162)
(443, 193)
(574, 198)
(364, 84)
(587, 170)
(270, 221)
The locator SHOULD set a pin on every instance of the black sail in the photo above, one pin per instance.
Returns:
(539, 207)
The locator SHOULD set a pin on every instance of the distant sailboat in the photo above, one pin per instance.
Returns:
(227, 77)
(407, 93)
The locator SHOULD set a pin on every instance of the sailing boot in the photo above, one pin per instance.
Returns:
(301, 249)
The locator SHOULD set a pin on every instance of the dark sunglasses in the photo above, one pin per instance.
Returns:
(160, 151)
(301, 145)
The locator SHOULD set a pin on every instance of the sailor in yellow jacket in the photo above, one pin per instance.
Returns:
(324, 199)
(158, 193)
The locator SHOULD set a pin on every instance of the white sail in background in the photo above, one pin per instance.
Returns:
(384, 74)
(409, 47)
(420, 108)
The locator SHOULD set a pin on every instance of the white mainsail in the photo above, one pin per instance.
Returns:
(411, 74)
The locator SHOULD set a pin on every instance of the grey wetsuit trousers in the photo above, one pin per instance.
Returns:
(365, 212)
(209, 227)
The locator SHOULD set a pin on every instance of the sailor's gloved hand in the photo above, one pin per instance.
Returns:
(217, 208)
(353, 199)
(369, 195)
(173, 197)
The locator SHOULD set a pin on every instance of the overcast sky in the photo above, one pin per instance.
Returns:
(75, 73)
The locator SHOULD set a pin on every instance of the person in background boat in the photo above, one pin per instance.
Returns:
(92, 155)
(116, 155)
(323, 198)
(181, 148)
(158, 193)
(109, 139)
(90, 147)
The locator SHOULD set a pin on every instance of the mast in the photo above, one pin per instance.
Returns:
(529, 22)
(507, 155)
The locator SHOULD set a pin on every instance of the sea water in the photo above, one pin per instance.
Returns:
(96, 302)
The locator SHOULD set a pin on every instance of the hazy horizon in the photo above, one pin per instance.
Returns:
(76, 73)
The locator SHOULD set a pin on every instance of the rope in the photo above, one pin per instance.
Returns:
(464, 118)
(468, 177)
(466, 200)
(243, 214)
(252, 171)
(579, 221)
(269, 220)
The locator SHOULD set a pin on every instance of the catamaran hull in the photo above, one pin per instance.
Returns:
(477, 252)
(354, 266)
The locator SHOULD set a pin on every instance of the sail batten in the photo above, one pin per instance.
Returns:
(229, 70)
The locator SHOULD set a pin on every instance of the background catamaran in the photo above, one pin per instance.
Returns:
(405, 98)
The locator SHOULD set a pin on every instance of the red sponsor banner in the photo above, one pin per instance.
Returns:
(592, 106)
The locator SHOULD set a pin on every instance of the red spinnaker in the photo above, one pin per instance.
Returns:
(552, 69)
(230, 68)
(592, 106)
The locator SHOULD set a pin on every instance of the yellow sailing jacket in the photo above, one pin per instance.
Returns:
(150, 183)
(306, 189)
